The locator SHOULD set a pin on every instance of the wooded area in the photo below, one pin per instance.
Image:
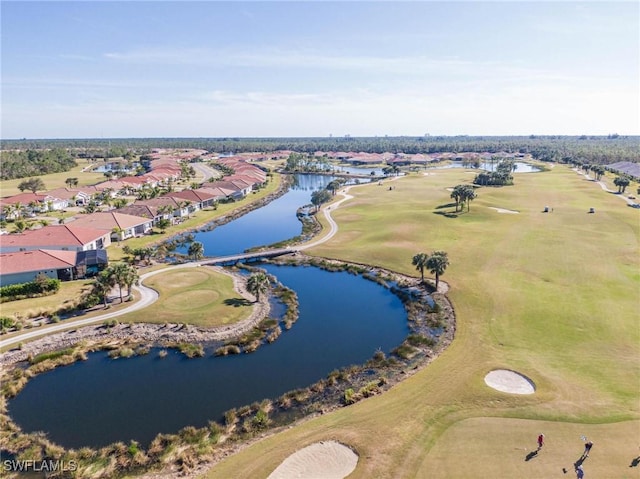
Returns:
(22, 158)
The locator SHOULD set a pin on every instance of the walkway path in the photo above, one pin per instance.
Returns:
(149, 296)
(602, 184)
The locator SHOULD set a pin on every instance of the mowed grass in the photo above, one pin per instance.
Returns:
(552, 295)
(69, 292)
(57, 180)
(198, 296)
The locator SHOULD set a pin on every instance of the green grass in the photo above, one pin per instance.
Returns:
(553, 296)
(57, 180)
(198, 296)
(31, 307)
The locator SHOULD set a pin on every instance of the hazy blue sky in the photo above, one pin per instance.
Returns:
(212, 69)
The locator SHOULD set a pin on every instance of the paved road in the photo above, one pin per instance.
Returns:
(206, 171)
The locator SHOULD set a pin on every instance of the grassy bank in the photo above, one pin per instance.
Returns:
(198, 296)
(552, 295)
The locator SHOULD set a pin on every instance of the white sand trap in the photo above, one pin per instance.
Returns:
(321, 460)
(502, 210)
(509, 382)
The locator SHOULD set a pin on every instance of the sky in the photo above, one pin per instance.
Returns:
(104, 69)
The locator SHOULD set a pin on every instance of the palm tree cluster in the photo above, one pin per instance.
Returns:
(462, 194)
(501, 177)
(119, 274)
(621, 182)
(436, 263)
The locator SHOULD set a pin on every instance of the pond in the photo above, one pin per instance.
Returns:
(521, 167)
(116, 167)
(277, 221)
(344, 320)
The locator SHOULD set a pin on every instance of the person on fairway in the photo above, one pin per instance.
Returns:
(587, 449)
(540, 441)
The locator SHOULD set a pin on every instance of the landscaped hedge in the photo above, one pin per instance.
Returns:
(32, 289)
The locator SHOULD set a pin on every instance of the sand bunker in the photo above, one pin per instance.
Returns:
(502, 210)
(509, 382)
(322, 460)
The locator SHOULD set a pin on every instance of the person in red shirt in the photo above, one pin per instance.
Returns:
(540, 441)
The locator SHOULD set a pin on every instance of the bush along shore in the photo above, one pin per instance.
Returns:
(190, 450)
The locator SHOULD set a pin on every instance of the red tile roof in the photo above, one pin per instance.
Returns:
(108, 220)
(56, 235)
(37, 260)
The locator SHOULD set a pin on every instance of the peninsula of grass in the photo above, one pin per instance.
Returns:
(199, 296)
(552, 295)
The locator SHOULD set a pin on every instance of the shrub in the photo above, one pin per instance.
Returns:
(6, 323)
(191, 350)
(133, 448)
(260, 420)
(419, 340)
(230, 417)
(350, 396)
(404, 351)
(52, 355)
(42, 285)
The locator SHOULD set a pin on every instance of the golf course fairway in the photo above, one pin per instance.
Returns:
(553, 296)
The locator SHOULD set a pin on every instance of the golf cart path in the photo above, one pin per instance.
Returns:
(148, 295)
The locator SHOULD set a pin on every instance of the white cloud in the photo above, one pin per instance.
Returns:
(544, 108)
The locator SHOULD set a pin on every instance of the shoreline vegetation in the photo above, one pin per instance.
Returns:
(431, 323)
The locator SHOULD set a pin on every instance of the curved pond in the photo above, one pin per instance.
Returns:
(343, 320)
(274, 222)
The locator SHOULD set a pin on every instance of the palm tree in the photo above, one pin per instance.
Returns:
(420, 262)
(468, 194)
(121, 273)
(196, 250)
(131, 278)
(457, 195)
(437, 264)
(104, 282)
(258, 283)
(334, 186)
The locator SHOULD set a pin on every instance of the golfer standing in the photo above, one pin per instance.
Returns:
(540, 441)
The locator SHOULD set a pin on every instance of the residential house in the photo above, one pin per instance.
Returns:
(120, 225)
(178, 209)
(34, 202)
(198, 198)
(69, 237)
(25, 266)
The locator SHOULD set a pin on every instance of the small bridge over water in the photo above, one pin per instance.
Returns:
(247, 257)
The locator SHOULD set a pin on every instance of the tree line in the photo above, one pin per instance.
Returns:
(591, 149)
(20, 164)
